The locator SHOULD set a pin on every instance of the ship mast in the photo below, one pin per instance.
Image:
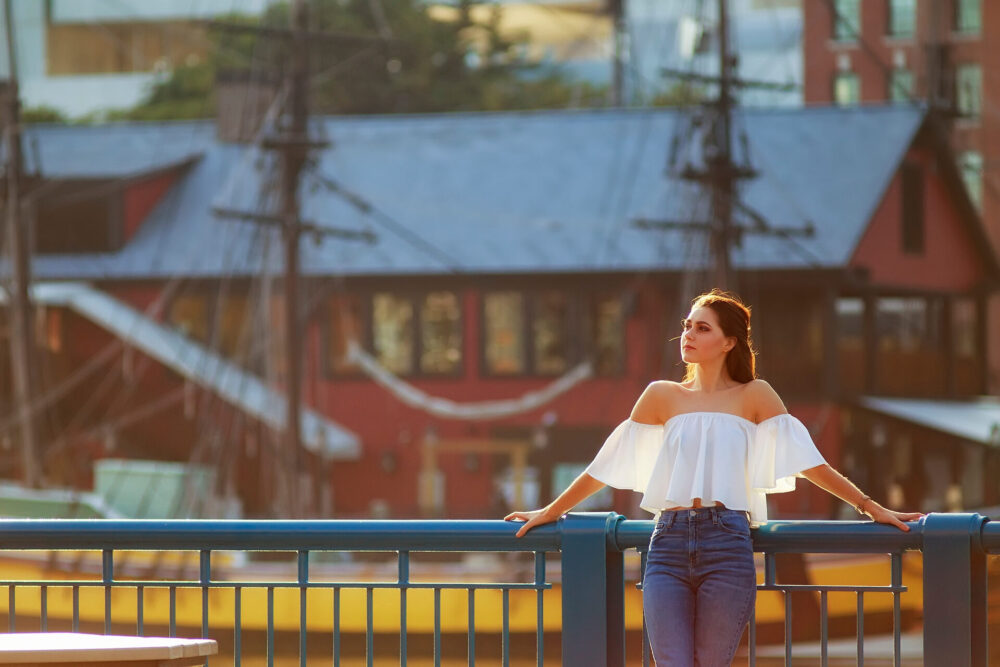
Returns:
(718, 162)
(293, 144)
(21, 344)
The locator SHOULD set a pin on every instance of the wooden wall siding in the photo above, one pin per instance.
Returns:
(949, 261)
(108, 48)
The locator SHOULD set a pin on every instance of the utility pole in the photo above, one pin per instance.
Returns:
(21, 333)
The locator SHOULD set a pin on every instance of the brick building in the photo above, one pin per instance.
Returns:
(932, 52)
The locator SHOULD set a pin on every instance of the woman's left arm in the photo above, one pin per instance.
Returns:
(828, 479)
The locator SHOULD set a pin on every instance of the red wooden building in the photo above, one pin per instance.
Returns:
(506, 260)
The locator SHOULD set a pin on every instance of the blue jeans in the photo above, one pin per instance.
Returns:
(699, 586)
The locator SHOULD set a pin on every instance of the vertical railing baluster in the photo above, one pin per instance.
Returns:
(107, 576)
(303, 589)
(173, 611)
(437, 627)
(237, 626)
(472, 627)
(11, 608)
(824, 636)
(336, 626)
(270, 626)
(540, 621)
(370, 626)
(861, 627)
(43, 593)
(896, 560)
(788, 626)
(205, 578)
(506, 627)
(403, 580)
(769, 569)
(139, 594)
(76, 608)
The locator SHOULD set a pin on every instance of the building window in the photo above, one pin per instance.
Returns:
(393, 332)
(913, 208)
(551, 333)
(846, 19)
(608, 334)
(907, 324)
(971, 165)
(900, 86)
(440, 333)
(968, 89)
(345, 319)
(504, 325)
(968, 16)
(846, 89)
(964, 328)
(188, 314)
(901, 324)
(902, 17)
(850, 343)
(232, 329)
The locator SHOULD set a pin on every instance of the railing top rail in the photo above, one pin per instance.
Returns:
(283, 535)
(450, 535)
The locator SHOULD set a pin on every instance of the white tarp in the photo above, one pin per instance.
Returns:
(199, 364)
(977, 420)
(448, 409)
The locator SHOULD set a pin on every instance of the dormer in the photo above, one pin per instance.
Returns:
(98, 214)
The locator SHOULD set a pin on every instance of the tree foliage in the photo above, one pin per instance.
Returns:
(382, 56)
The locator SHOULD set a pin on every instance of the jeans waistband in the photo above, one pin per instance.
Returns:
(710, 513)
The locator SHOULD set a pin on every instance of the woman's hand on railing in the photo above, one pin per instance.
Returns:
(880, 514)
(532, 519)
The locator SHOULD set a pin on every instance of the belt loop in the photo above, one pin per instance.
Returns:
(670, 519)
(715, 515)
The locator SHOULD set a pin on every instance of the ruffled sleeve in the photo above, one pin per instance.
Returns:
(628, 455)
(782, 448)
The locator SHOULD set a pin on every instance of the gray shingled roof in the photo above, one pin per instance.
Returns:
(504, 192)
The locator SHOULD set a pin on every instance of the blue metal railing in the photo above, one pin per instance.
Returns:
(592, 566)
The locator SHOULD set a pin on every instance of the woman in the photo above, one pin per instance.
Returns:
(704, 452)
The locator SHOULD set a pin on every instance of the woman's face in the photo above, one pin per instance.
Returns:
(702, 339)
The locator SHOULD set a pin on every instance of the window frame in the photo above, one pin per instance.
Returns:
(844, 74)
(526, 333)
(970, 114)
(892, 24)
(581, 306)
(326, 335)
(415, 297)
(893, 85)
(839, 34)
(959, 13)
(913, 223)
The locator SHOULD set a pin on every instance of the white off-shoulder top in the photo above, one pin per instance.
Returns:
(715, 456)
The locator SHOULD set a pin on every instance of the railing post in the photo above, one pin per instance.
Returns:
(593, 591)
(955, 630)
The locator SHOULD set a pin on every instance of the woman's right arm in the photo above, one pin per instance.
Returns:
(582, 487)
(648, 409)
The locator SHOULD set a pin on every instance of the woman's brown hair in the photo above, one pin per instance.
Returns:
(734, 319)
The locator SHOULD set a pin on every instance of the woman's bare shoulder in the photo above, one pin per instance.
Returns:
(761, 400)
(655, 402)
